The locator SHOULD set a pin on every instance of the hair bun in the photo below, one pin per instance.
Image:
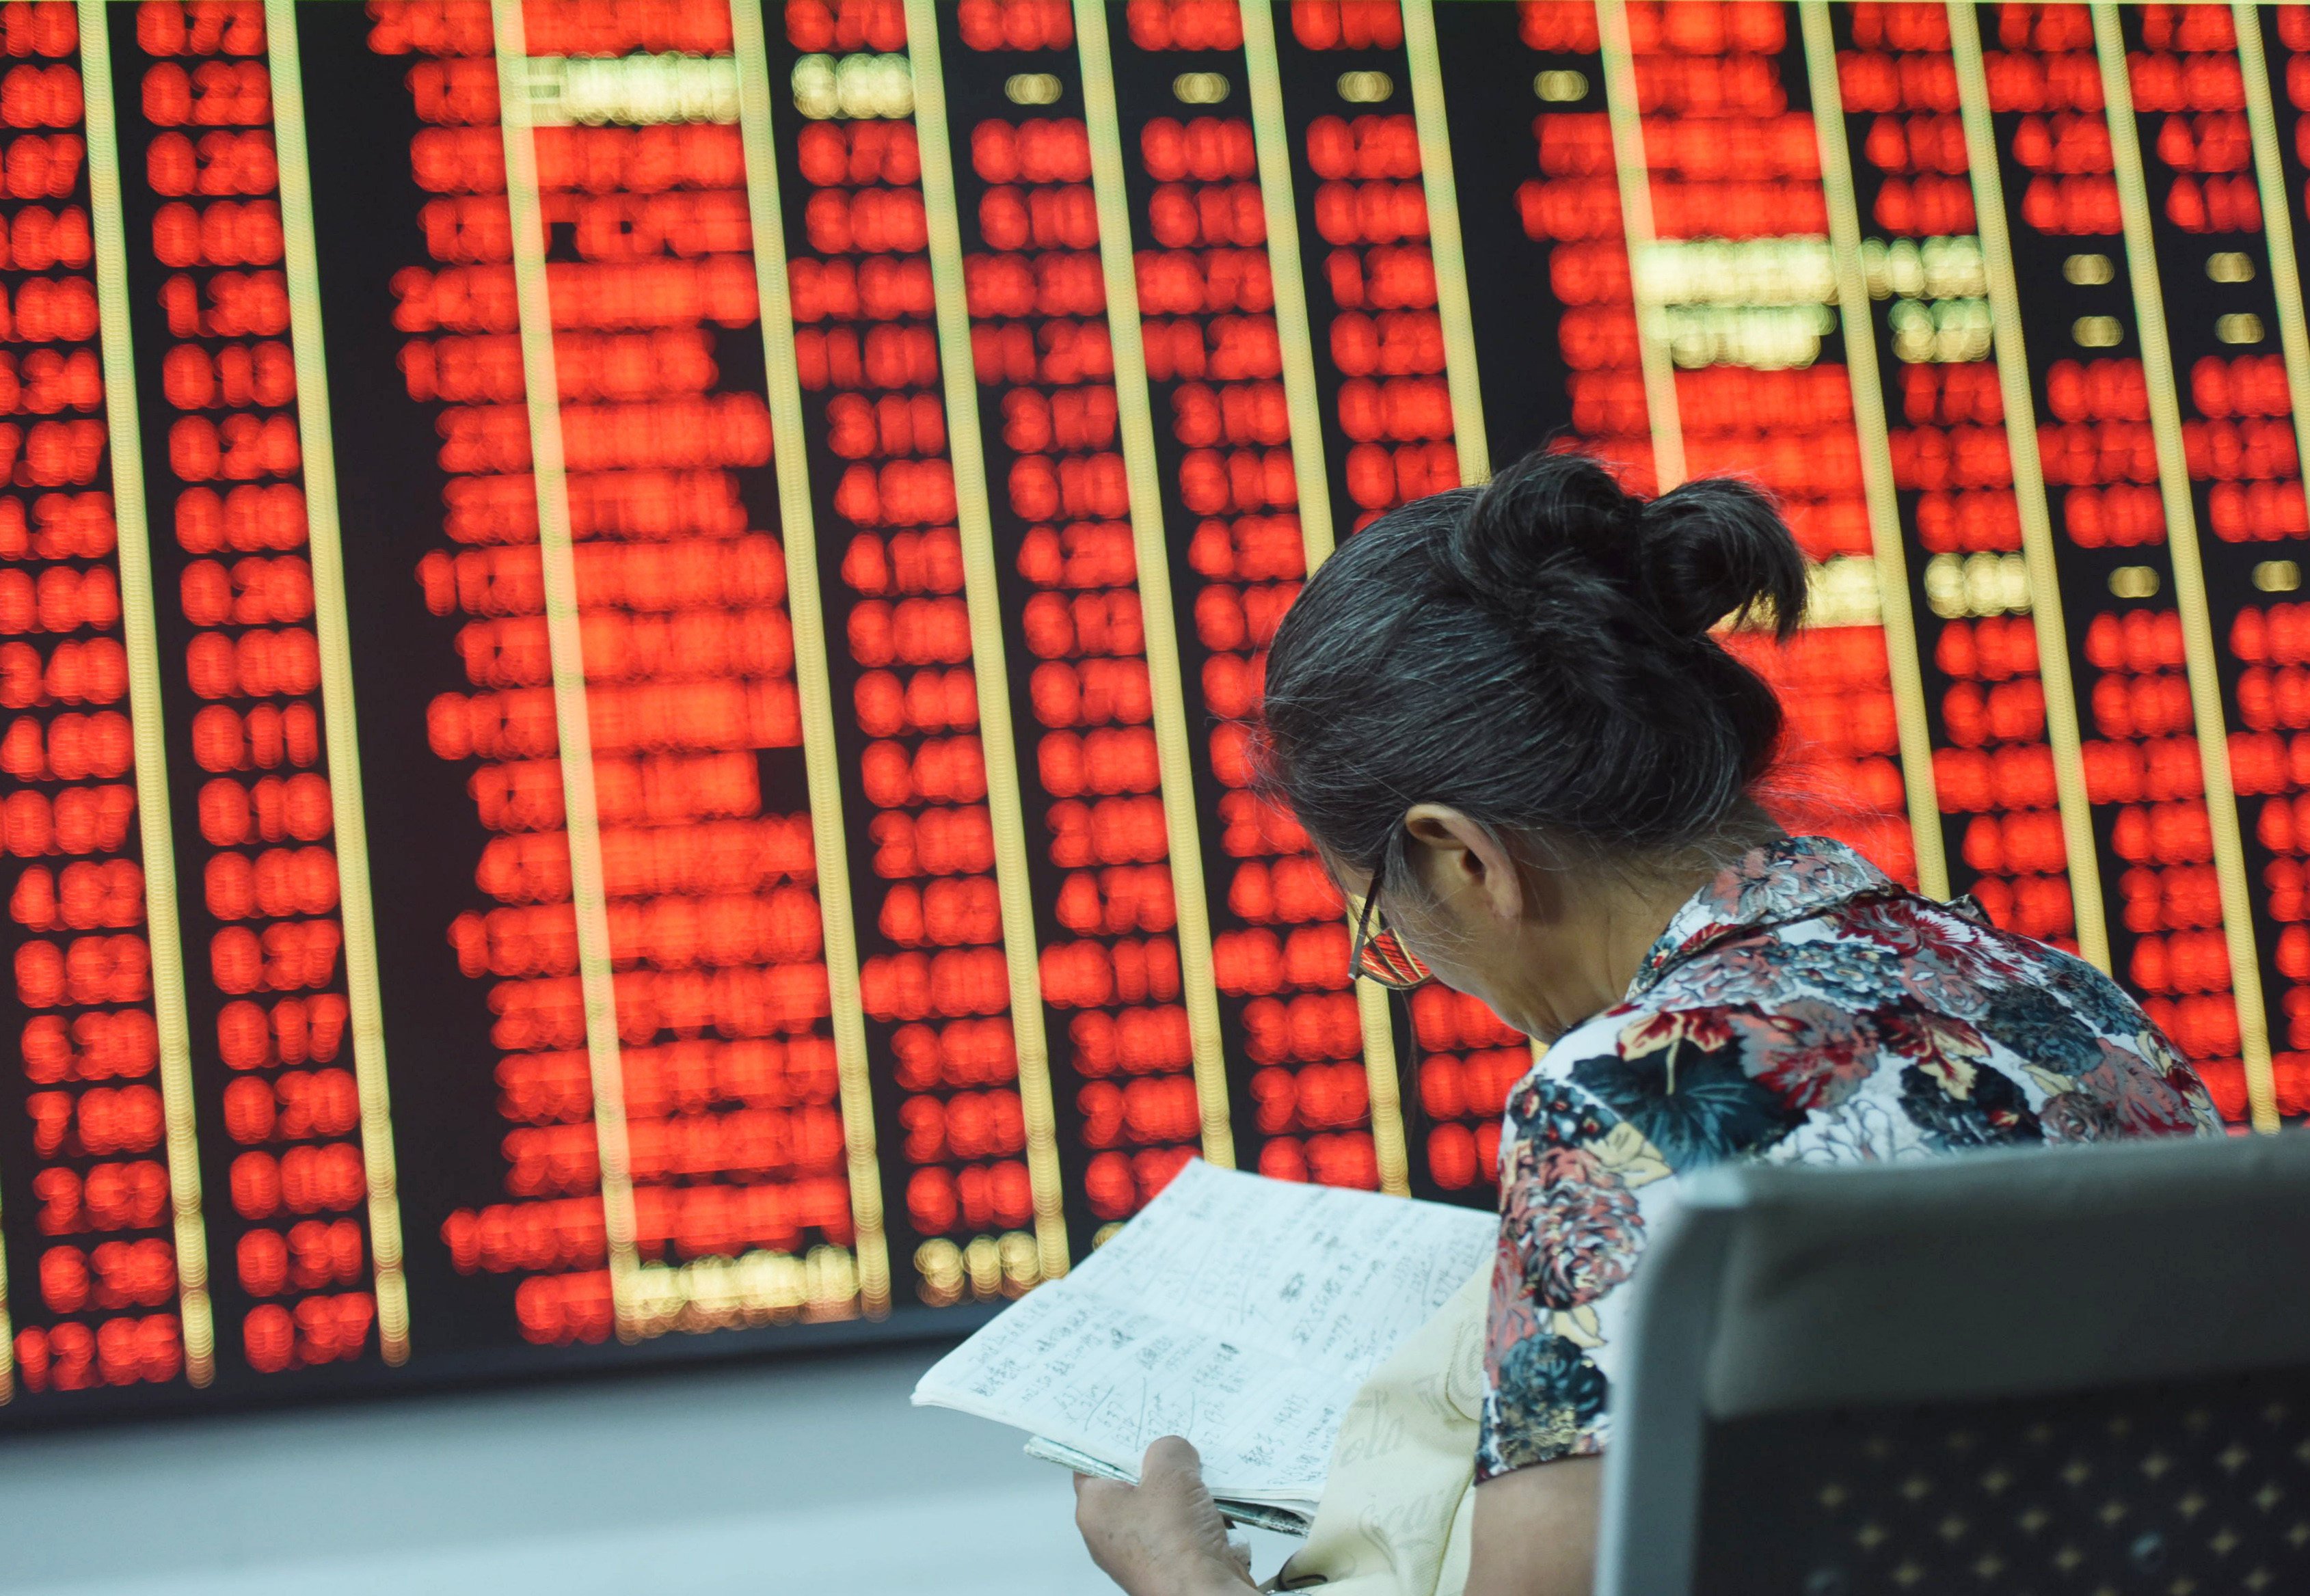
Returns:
(1547, 523)
(1551, 524)
(1536, 652)
(1717, 547)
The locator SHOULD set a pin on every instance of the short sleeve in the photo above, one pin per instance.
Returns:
(1579, 1186)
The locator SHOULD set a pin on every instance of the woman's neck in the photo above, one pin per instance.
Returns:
(1590, 940)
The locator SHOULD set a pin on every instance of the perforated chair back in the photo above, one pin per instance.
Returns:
(2074, 1370)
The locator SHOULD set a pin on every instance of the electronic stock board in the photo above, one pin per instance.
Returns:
(625, 625)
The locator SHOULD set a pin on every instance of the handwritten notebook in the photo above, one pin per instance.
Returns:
(1239, 1312)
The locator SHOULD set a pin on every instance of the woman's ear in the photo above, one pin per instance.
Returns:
(1462, 861)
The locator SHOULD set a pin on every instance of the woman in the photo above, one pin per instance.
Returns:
(1503, 716)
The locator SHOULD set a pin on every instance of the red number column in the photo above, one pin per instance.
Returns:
(2218, 267)
(1056, 469)
(464, 355)
(1384, 336)
(1994, 769)
(729, 1074)
(1572, 206)
(2272, 639)
(1733, 179)
(268, 984)
(2146, 762)
(466, 359)
(2142, 773)
(729, 1077)
(1214, 361)
(85, 1161)
(935, 984)
(1381, 357)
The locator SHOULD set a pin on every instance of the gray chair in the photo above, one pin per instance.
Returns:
(2081, 1370)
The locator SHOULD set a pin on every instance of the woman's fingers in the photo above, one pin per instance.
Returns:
(1171, 1458)
(1163, 1535)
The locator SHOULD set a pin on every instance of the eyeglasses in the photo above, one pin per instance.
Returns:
(1378, 954)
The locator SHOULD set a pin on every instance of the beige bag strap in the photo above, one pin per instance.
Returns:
(1396, 1508)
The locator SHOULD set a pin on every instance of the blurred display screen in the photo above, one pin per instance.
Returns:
(625, 625)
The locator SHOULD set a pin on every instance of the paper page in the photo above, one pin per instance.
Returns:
(1323, 1275)
(1240, 1313)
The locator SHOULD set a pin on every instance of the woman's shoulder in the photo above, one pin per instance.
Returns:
(1891, 1029)
(1683, 1078)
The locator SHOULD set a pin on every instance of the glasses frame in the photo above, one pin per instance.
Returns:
(1378, 954)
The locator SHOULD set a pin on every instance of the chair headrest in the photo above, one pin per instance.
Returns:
(2003, 1273)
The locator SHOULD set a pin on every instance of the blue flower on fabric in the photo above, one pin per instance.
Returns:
(1957, 1105)
(1689, 1093)
(2099, 1001)
(2045, 1030)
(1545, 1400)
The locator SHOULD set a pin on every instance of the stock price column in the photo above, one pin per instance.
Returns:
(1379, 356)
(2271, 637)
(1378, 337)
(253, 754)
(2044, 91)
(1099, 846)
(921, 770)
(1964, 492)
(2182, 199)
(1549, 204)
(460, 358)
(727, 1078)
(694, 1146)
(108, 1287)
(1725, 216)
(1222, 442)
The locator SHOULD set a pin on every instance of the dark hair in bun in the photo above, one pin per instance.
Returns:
(1536, 652)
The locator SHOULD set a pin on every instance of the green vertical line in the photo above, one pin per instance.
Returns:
(565, 643)
(326, 546)
(967, 450)
(1424, 64)
(141, 638)
(2062, 734)
(1135, 421)
(2189, 570)
(822, 762)
(1868, 385)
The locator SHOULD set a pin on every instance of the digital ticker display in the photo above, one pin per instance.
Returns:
(626, 625)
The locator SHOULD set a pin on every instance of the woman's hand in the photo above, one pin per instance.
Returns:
(1164, 1536)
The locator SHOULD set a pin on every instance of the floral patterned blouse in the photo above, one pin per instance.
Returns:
(1801, 1008)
